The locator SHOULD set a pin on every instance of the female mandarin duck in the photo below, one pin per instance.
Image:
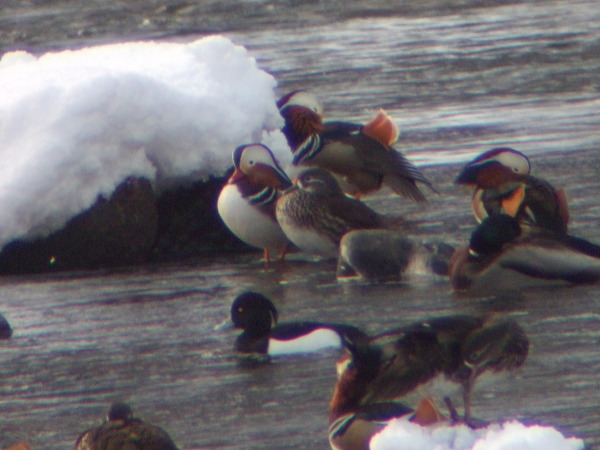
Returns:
(122, 431)
(503, 185)
(315, 213)
(247, 202)
(361, 154)
(500, 344)
(501, 256)
(263, 337)
(442, 355)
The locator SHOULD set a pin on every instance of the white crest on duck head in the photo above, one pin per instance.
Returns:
(301, 98)
(246, 156)
(508, 157)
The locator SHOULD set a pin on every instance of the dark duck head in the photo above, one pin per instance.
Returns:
(493, 234)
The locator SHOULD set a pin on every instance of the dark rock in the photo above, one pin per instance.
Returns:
(114, 232)
(131, 227)
(189, 224)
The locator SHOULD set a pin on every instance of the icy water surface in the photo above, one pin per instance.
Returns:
(147, 335)
(458, 80)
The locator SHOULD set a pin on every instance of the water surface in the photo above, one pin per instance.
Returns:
(458, 80)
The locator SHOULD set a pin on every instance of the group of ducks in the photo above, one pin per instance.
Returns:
(523, 219)
(523, 229)
(437, 357)
(264, 208)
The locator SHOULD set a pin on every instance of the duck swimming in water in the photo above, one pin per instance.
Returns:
(263, 337)
(502, 256)
(122, 431)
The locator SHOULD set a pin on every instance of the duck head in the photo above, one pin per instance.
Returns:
(256, 164)
(492, 234)
(254, 313)
(490, 164)
(318, 181)
(499, 345)
(119, 411)
(303, 115)
(485, 245)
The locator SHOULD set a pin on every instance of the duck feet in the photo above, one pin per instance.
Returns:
(475, 423)
(454, 416)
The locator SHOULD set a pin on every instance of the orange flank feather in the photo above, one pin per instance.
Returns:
(427, 413)
(382, 129)
(512, 204)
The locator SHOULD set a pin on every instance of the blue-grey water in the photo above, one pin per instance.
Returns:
(459, 79)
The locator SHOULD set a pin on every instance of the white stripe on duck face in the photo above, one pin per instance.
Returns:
(319, 339)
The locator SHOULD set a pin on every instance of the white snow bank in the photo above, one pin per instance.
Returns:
(75, 124)
(406, 435)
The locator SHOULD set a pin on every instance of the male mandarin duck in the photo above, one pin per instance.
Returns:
(122, 431)
(247, 202)
(502, 256)
(434, 357)
(315, 213)
(353, 431)
(361, 154)
(264, 337)
(503, 185)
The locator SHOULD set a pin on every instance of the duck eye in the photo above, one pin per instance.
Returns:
(241, 309)
(251, 162)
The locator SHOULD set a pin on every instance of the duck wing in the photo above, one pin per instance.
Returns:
(558, 263)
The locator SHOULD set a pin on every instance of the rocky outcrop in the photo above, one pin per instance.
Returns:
(133, 226)
(189, 224)
(119, 230)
